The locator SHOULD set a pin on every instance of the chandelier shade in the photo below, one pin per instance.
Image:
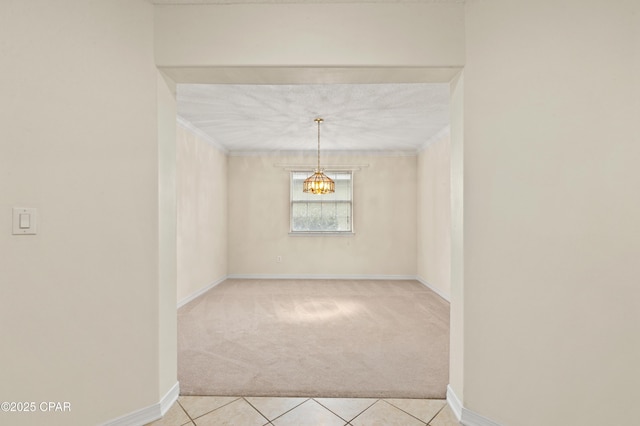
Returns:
(319, 183)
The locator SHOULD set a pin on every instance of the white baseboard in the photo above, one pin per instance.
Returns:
(148, 414)
(434, 289)
(454, 403)
(469, 418)
(169, 398)
(319, 277)
(464, 415)
(200, 292)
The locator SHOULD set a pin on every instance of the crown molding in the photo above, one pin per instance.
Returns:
(325, 154)
(444, 133)
(186, 124)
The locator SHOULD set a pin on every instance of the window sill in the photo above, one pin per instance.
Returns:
(321, 234)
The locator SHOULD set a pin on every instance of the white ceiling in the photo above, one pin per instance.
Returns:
(360, 117)
(297, 1)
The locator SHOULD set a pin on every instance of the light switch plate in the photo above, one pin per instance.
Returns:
(31, 221)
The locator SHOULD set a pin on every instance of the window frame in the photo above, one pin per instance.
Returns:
(309, 172)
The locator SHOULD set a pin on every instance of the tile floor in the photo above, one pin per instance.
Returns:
(261, 411)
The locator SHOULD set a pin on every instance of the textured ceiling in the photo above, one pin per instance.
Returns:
(360, 117)
(297, 1)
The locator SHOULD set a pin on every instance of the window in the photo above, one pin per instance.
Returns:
(327, 213)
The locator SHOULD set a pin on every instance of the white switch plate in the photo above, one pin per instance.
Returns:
(31, 221)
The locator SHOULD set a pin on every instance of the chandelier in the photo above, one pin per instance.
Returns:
(319, 183)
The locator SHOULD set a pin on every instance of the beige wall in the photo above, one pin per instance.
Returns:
(551, 100)
(202, 213)
(552, 301)
(167, 230)
(310, 34)
(384, 220)
(79, 308)
(456, 313)
(434, 216)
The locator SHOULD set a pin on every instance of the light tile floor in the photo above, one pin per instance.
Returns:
(261, 411)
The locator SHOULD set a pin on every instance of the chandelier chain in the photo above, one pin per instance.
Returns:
(318, 145)
(318, 120)
(319, 183)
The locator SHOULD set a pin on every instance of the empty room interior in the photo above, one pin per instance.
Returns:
(481, 158)
(286, 292)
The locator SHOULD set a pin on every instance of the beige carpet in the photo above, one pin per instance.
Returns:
(329, 338)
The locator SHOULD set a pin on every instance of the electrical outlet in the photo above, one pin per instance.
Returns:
(279, 259)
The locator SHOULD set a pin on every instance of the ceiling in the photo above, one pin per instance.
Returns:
(357, 117)
(296, 1)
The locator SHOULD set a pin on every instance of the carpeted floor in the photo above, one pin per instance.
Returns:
(315, 338)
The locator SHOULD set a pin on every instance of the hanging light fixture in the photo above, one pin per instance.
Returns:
(319, 183)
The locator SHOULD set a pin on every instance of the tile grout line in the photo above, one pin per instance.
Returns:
(406, 412)
(259, 412)
(439, 411)
(277, 417)
(185, 411)
(364, 411)
(269, 421)
(348, 421)
(328, 409)
(208, 412)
